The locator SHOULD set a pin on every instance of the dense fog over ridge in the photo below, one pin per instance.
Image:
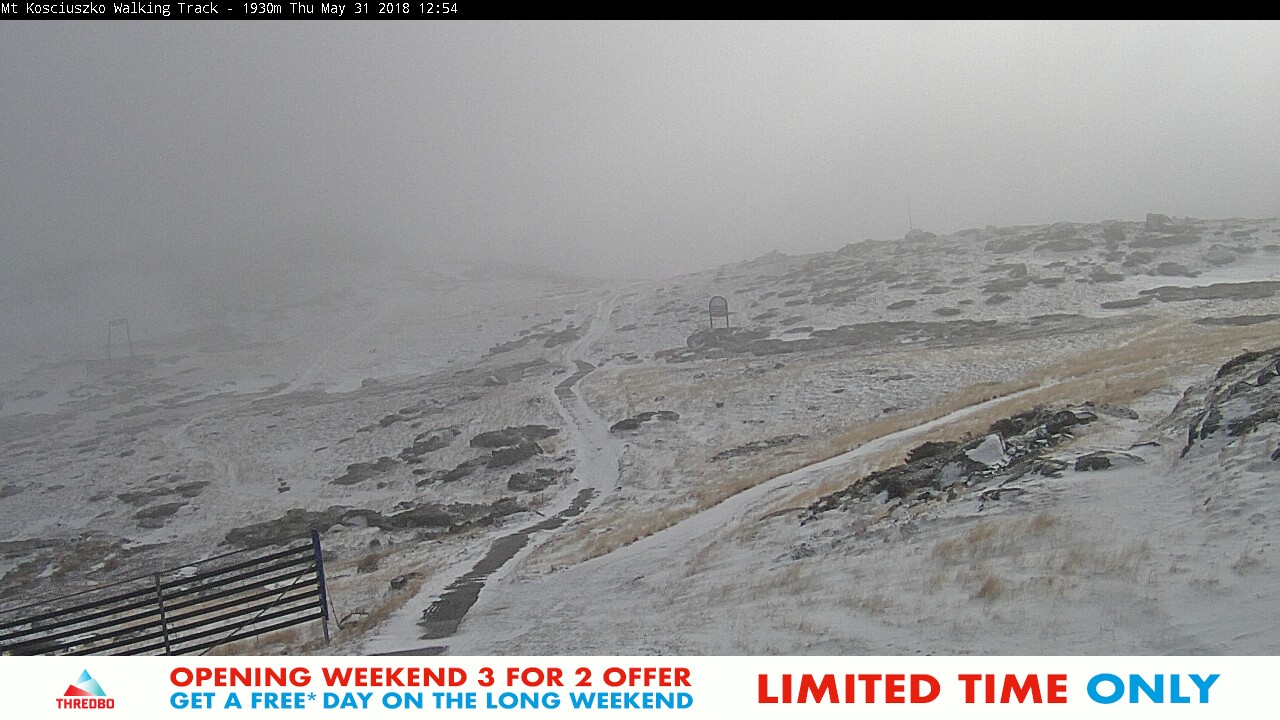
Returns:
(148, 162)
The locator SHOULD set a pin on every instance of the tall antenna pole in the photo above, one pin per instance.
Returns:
(910, 224)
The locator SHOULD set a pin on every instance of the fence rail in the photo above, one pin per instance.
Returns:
(180, 611)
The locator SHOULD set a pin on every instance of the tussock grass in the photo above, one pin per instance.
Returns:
(1163, 350)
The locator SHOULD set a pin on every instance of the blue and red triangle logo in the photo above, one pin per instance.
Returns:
(84, 686)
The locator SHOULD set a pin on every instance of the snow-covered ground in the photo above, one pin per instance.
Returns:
(715, 457)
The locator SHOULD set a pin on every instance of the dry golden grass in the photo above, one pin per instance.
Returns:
(1162, 350)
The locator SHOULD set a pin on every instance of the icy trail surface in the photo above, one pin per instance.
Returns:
(598, 459)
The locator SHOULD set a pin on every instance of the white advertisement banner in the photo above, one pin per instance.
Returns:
(637, 687)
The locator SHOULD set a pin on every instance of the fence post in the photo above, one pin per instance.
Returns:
(164, 623)
(324, 594)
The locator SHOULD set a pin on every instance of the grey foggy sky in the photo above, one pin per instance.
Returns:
(615, 149)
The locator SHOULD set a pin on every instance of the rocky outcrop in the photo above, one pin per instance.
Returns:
(756, 446)
(428, 442)
(1158, 223)
(361, 471)
(535, 481)
(297, 523)
(634, 422)
(1242, 399)
(509, 436)
(1011, 448)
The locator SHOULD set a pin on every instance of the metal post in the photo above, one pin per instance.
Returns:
(324, 594)
(164, 623)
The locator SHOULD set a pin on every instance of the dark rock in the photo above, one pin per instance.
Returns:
(625, 424)
(1068, 245)
(756, 446)
(459, 472)
(1219, 255)
(899, 305)
(1164, 241)
(1131, 303)
(1092, 461)
(1158, 223)
(510, 436)
(1237, 320)
(1113, 232)
(428, 442)
(535, 481)
(1004, 246)
(1140, 257)
(1101, 275)
(361, 471)
(1246, 425)
(931, 449)
(1240, 361)
(1049, 281)
(1005, 285)
(507, 456)
(1175, 270)
(569, 334)
(1116, 411)
(191, 489)
(155, 516)
(400, 581)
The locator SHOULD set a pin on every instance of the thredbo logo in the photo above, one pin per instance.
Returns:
(85, 694)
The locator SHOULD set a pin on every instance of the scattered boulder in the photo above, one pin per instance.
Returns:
(1163, 241)
(1255, 290)
(399, 582)
(1007, 245)
(510, 436)
(1130, 303)
(361, 471)
(1104, 460)
(634, 422)
(1100, 275)
(1158, 223)
(1068, 245)
(1237, 320)
(508, 456)
(155, 516)
(1138, 257)
(1011, 448)
(535, 481)
(428, 442)
(1092, 461)
(1219, 255)
(756, 446)
(989, 453)
(1116, 411)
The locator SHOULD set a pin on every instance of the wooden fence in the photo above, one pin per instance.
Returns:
(184, 610)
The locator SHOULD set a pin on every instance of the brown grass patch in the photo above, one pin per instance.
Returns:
(1162, 350)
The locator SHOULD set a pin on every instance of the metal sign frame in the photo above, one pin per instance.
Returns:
(718, 307)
